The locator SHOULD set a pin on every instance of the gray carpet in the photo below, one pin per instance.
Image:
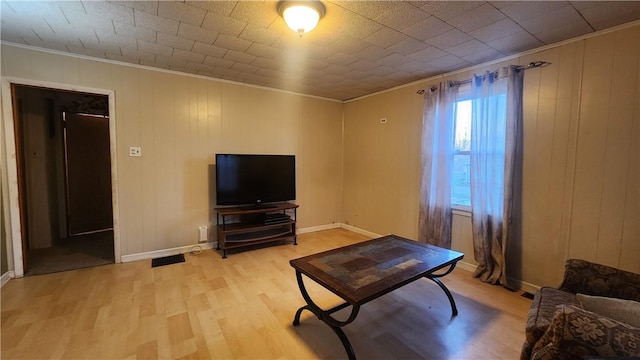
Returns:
(73, 253)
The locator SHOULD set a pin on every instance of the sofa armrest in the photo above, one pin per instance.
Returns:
(575, 333)
(585, 277)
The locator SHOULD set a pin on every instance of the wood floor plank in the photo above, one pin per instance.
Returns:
(242, 307)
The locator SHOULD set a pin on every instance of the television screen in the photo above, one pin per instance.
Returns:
(254, 179)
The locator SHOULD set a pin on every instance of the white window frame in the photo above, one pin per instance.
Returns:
(463, 95)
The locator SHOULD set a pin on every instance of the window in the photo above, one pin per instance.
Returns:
(493, 148)
(461, 177)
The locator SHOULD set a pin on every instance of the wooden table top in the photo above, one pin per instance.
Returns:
(361, 272)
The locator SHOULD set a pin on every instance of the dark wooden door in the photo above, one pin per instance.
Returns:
(88, 173)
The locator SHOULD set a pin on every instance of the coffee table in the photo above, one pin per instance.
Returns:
(364, 271)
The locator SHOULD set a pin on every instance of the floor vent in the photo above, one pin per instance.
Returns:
(167, 260)
(527, 295)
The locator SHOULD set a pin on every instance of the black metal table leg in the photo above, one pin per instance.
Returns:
(454, 309)
(345, 342)
(325, 316)
(434, 278)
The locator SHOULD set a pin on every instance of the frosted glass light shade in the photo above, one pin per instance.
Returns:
(301, 16)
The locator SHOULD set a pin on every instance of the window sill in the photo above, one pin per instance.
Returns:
(461, 210)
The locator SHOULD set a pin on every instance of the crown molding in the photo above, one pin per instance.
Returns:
(503, 59)
(150, 68)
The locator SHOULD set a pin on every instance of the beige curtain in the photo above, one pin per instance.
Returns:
(437, 159)
(496, 127)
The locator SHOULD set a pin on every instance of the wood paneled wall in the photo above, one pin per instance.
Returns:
(381, 177)
(181, 122)
(581, 160)
(581, 189)
(581, 166)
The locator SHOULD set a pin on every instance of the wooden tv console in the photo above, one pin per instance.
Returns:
(241, 227)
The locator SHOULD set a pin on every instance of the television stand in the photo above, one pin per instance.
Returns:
(257, 207)
(245, 226)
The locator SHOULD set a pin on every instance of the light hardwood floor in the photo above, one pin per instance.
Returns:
(242, 307)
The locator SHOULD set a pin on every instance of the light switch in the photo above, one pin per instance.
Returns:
(135, 151)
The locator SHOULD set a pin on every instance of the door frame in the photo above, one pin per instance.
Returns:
(9, 170)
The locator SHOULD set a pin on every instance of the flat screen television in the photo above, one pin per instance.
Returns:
(253, 180)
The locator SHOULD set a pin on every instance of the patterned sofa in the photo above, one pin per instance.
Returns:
(559, 328)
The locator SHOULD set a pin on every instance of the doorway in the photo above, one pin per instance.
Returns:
(64, 179)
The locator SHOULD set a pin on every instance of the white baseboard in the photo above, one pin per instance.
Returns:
(336, 226)
(467, 266)
(318, 228)
(518, 284)
(523, 285)
(6, 277)
(165, 252)
(360, 231)
(206, 246)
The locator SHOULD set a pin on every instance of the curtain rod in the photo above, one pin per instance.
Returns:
(531, 65)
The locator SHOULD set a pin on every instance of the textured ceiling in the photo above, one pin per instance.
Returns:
(358, 48)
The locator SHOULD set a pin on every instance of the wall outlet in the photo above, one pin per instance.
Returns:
(135, 151)
(383, 121)
(203, 234)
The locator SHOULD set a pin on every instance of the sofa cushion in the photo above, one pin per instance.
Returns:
(541, 313)
(585, 277)
(575, 333)
(543, 307)
(627, 311)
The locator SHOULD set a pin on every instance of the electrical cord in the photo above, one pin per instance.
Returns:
(195, 250)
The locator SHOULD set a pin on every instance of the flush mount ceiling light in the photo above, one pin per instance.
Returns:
(301, 16)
